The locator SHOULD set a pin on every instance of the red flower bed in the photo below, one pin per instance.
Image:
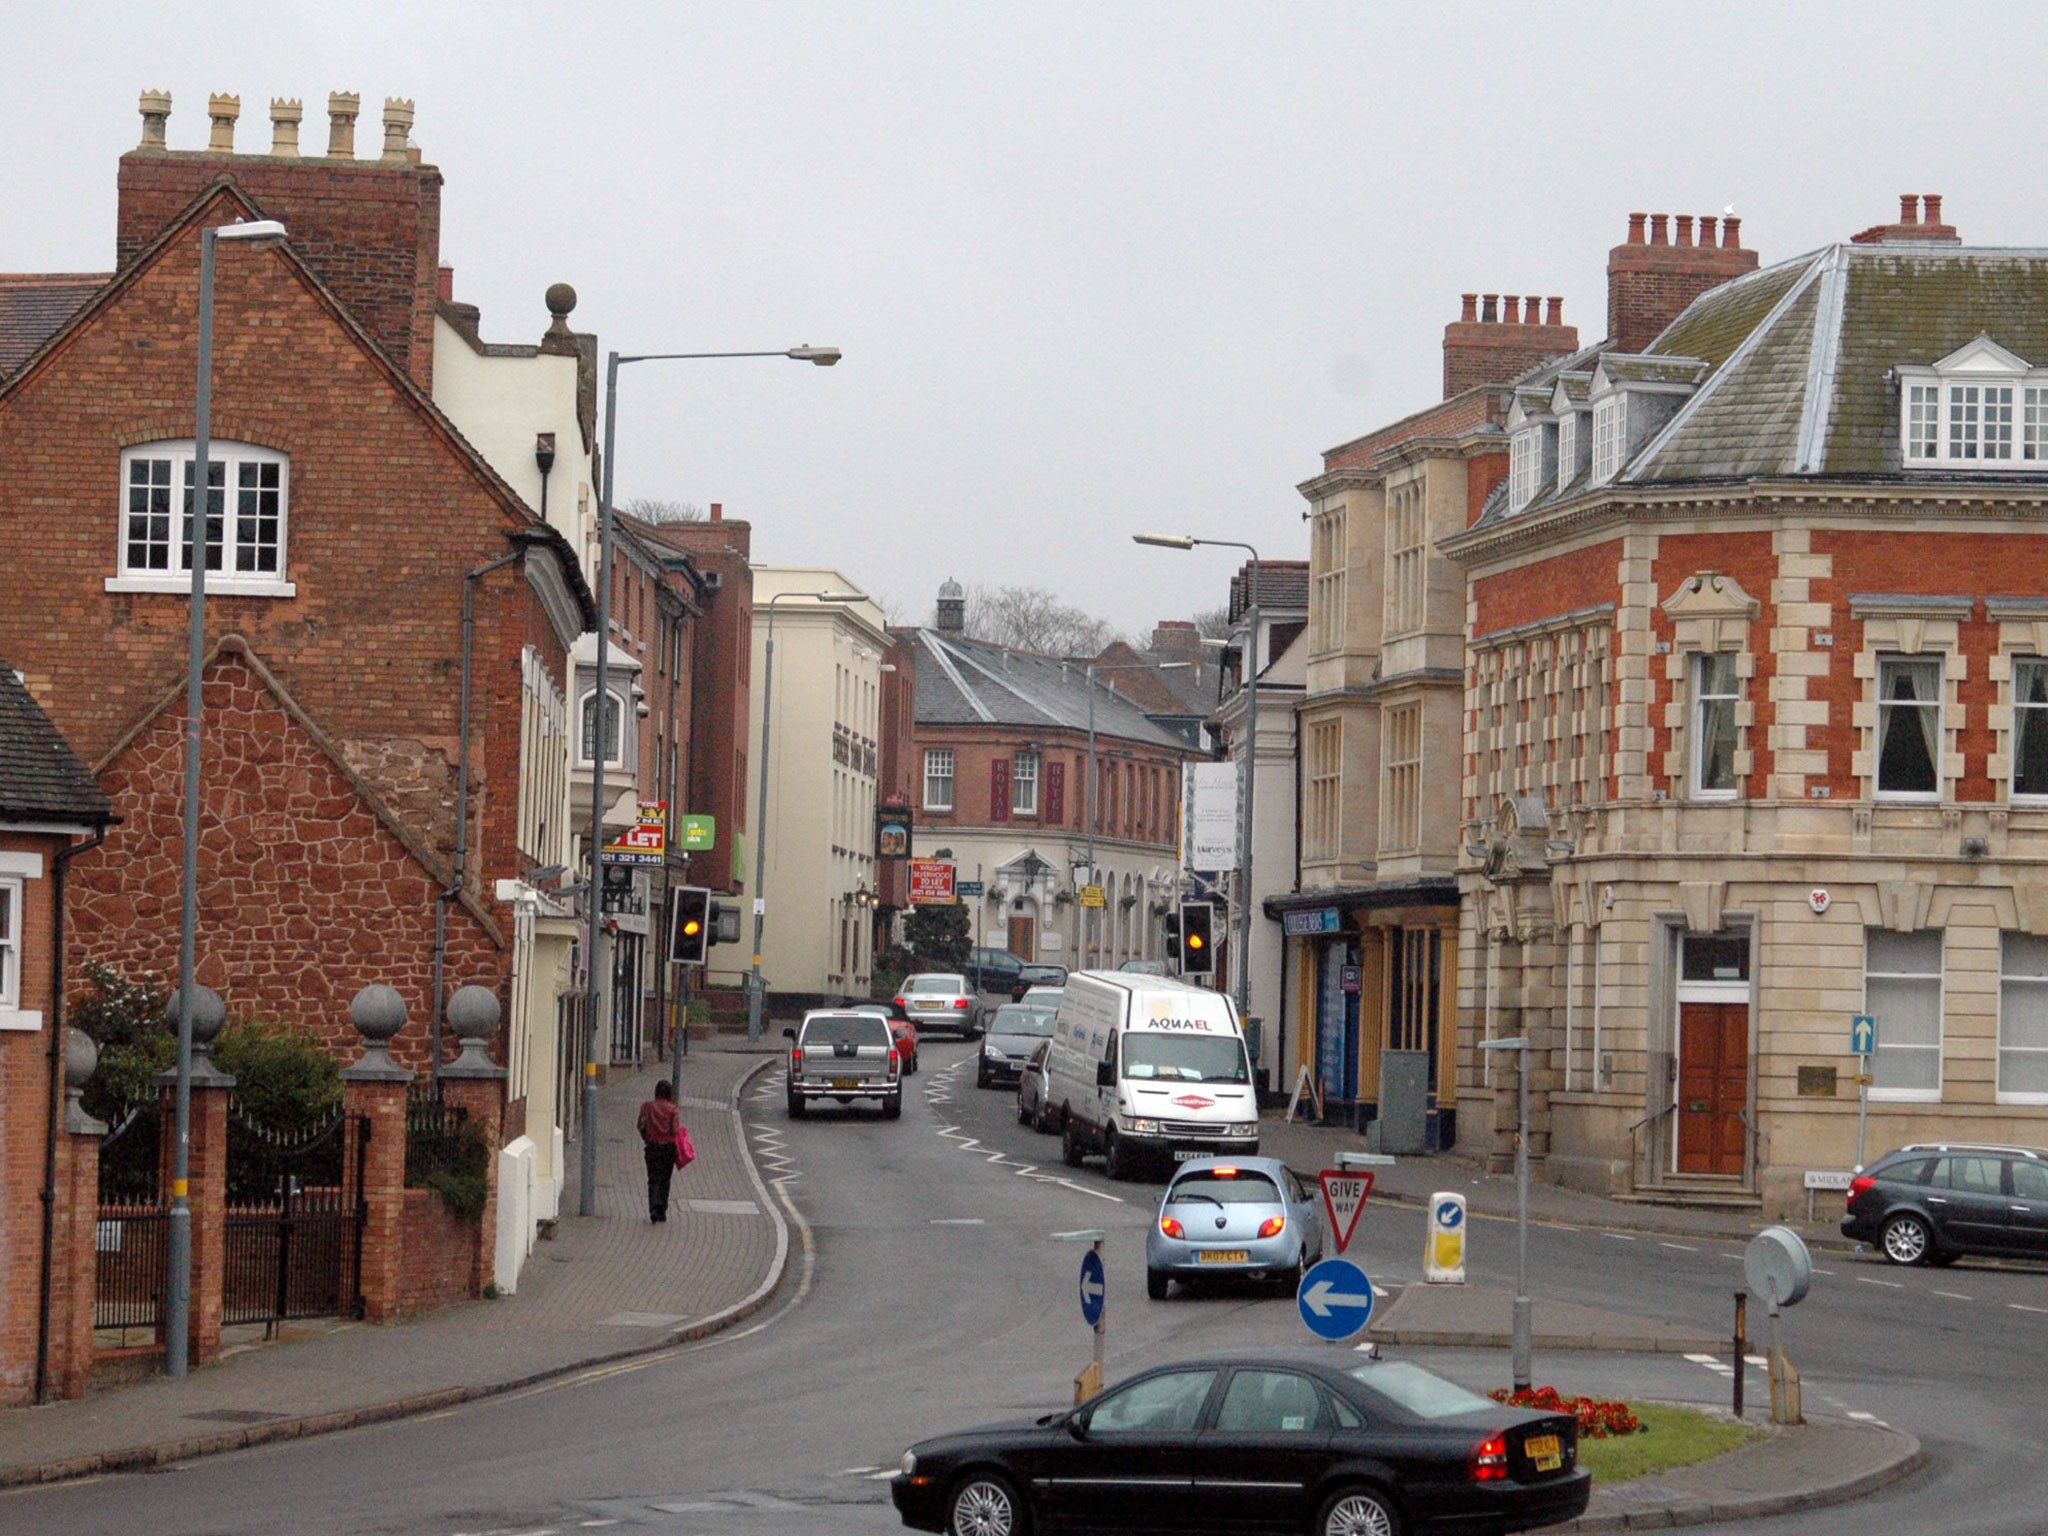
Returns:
(1597, 1419)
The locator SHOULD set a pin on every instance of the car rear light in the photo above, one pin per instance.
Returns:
(900, 1003)
(1490, 1461)
(1171, 1227)
(895, 1060)
(959, 1002)
(1858, 1185)
(796, 1059)
(1222, 1173)
(1272, 1226)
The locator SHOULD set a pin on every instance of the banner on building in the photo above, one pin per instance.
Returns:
(1209, 817)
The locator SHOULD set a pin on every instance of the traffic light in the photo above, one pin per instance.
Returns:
(725, 922)
(690, 939)
(1171, 923)
(1197, 936)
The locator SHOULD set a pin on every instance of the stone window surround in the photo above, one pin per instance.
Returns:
(1704, 912)
(1328, 576)
(2008, 979)
(1401, 777)
(1940, 978)
(1710, 613)
(177, 581)
(2022, 636)
(1503, 713)
(935, 757)
(1909, 625)
(586, 701)
(1023, 778)
(1407, 563)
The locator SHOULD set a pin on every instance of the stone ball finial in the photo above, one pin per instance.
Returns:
(378, 1013)
(474, 1013)
(560, 299)
(209, 1013)
(81, 1059)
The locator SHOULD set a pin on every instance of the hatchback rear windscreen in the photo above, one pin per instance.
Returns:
(949, 985)
(846, 1029)
(1242, 1189)
(1185, 1058)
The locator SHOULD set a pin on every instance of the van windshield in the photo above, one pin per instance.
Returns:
(1185, 1058)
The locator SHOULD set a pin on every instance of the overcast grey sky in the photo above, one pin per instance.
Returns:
(1096, 268)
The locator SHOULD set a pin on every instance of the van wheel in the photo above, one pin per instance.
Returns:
(1116, 1157)
(1070, 1143)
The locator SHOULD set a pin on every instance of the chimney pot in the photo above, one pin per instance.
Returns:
(718, 511)
(1471, 310)
(156, 112)
(1933, 201)
(342, 107)
(1635, 228)
(1660, 230)
(1532, 308)
(1707, 222)
(1556, 315)
(1489, 308)
(223, 110)
(1510, 309)
(1684, 229)
(285, 115)
(1731, 233)
(397, 127)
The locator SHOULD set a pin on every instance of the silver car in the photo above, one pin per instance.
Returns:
(1032, 1109)
(1244, 1216)
(1013, 1032)
(938, 1000)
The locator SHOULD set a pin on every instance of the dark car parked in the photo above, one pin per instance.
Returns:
(1933, 1202)
(1029, 976)
(1293, 1443)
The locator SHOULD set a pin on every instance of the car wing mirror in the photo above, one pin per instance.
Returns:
(1077, 1425)
(789, 1034)
(1105, 1074)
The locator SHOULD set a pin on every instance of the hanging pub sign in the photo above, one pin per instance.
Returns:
(892, 832)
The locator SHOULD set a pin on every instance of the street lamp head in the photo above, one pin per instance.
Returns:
(824, 357)
(841, 597)
(255, 229)
(1165, 540)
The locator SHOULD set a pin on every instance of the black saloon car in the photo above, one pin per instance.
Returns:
(1934, 1202)
(1297, 1443)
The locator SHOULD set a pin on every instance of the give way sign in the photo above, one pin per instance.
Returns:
(1344, 1197)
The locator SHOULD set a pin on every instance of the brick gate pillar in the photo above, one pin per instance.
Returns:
(206, 1170)
(74, 1270)
(375, 1088)
(475, 1083)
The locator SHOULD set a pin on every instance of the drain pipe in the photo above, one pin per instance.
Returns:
(454, 890)
(58, 866)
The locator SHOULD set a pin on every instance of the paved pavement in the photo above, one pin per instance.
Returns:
(614, 1285)
(606, 1286)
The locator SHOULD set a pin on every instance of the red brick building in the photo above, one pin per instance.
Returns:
(335, 645)
(1756, 716)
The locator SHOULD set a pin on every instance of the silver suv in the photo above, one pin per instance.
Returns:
(836, 1054)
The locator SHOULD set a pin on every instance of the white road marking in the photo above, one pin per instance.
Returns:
(1954, 1295)
(953, 1221)
(1819, 1271)
(1681, 1247)
(2021, 1306)
(1377, 1290)
(1737, 1257)
(855, 1471)
(882, 1476)
(1701, 1359)
(1759, 1361)
(1619, 1237)
(1891, 1285)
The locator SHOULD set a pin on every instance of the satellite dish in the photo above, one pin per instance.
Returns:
(1778, 1266)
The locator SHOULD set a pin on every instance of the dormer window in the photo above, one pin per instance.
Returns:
(1981, 407)
(1532, 447)
(1525, 464)
(1610, 437)
(1567, 448)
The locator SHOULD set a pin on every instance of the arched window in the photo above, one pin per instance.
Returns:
(614, 714)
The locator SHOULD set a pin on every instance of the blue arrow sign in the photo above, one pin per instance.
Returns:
(1094, 1288)
(1449, 1214)
(1335, 1299)
(1862, 1034)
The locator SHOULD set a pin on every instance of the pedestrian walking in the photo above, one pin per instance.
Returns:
(659, 1125)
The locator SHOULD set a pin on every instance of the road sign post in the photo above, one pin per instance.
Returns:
(1335, 1300)
(1344, 1196)
(1094, 1291)
(1863, 1046)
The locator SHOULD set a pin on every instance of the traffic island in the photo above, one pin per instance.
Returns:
(1475, 1317)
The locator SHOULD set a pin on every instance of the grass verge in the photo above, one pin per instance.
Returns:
(1672, 1437)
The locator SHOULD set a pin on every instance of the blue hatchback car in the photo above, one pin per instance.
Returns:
(1243, 1216)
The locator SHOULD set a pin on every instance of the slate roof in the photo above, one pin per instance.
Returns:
(1798, 358)
(971, 682)
(1283, 589)
(41, 778)
(34, 307)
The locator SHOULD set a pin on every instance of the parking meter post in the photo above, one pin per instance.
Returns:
(1741, 1345)
(1862, 1106)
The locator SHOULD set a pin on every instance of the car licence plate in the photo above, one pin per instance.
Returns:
(1544, 1451)
(1224, 1256)
(845, 1082)
(1188, 1154)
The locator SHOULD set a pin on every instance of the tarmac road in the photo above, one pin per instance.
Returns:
(933, 1295)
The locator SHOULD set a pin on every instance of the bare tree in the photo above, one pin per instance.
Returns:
(656, 509)
(1213, 624)
(1033, 619)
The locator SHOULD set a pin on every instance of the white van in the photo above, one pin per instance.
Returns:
(1148, 1065)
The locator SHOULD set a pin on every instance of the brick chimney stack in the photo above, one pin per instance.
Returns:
(1915, 227)
(1499, 337)
(370, 228)
(1651, 280)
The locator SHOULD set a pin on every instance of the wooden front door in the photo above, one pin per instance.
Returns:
(1713, 1086)
(1023, 936)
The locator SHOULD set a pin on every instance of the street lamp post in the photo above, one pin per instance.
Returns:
(754, 999)
(199, 503)
(1251, 750)
(1093, 668)
(1520, 1045)
(823, 357)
